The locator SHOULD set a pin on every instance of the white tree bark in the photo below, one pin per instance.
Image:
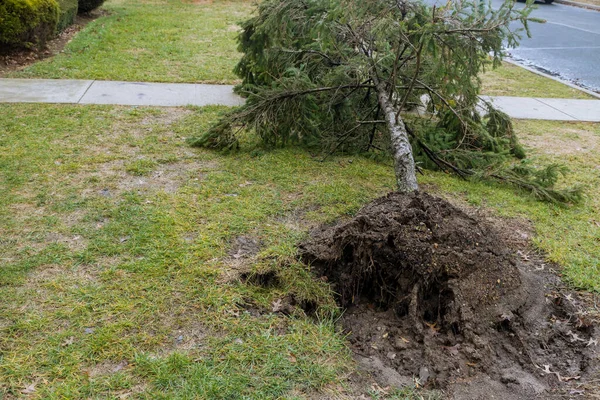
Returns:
(404, 163)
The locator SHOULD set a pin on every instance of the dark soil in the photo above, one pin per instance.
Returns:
(436, 297)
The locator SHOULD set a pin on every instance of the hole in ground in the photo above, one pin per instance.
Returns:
(267, 279)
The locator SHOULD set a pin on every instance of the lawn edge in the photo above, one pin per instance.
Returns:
(535, 71)
(578, 4)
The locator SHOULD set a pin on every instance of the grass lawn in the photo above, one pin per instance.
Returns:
(116, 275)
(511, 80)
(121, 270)
(154, 41)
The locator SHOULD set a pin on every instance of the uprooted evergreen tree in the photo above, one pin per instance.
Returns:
(388, 75)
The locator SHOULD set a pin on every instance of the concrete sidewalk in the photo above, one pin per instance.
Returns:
(182, 94)
(120, 93)
(547, 109)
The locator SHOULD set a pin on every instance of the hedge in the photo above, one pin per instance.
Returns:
(68, 12)
(27, 23)
(89, 5)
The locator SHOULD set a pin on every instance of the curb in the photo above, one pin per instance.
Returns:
(577, 4)
(535, 71)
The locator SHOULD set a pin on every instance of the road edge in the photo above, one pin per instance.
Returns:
(577, 4)
(535, 71)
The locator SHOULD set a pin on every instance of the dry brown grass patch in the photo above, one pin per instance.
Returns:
(570, 141)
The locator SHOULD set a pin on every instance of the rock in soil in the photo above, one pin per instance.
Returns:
(438, 297)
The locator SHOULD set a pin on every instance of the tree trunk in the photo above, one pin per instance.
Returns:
(404, 163)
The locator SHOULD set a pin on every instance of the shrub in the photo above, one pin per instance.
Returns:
(27, 23)
(89, 5)
(68, 12)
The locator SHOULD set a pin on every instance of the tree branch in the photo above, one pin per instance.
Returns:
(314, 90)
(412, 83)
(333, 62)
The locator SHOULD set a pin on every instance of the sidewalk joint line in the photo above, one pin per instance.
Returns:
(86, 90)
(560, 111)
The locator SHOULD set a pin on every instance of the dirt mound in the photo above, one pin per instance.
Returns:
(436, 295)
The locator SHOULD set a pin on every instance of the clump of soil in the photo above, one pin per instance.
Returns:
(245, 246)
(436, 295)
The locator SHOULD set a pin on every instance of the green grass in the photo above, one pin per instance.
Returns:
(158, 41)
(99, 269)
(116, 277)
(511, 80)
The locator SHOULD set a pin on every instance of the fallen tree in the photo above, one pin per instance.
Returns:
(349, 76)
(428, 290)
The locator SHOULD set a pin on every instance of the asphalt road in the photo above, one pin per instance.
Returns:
(566, 46)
